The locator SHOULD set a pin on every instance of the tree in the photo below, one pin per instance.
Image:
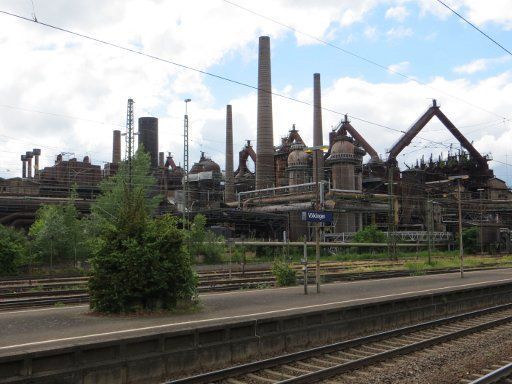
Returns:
(203, 242)
(58, 234)
(139, 263)
(13, 250)
(108, 207)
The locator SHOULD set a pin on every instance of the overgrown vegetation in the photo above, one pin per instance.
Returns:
(370, 234)
(139, 263)
(13, 250)
(204, 245)
(283, 272)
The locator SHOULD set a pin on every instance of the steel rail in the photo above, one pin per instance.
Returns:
(495, 376)
(250, 368)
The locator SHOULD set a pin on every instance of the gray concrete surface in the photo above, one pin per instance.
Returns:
(53, 327)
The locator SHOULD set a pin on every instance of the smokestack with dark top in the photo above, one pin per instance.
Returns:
(116, 147)
(29, 156)
(37, 153)
(265, 132)
(24, 169)
(148, 137)
(161, 159)
(318, 159)
(229, 189)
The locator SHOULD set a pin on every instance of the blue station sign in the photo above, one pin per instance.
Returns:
(317, 216)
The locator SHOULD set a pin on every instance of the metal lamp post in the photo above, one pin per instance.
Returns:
(316, 150)
(459, 206)
(480, 190)
(185, 162)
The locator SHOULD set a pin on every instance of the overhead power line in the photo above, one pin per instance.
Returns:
(475, 27)
(360, 57)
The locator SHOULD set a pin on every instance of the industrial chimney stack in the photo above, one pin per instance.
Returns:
(229, 188)
(24, 169)
(37, 153)
(318, 159)
(29, 156)
(265, 133)
(116, 147)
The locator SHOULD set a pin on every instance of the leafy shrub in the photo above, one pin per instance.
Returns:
(284, 274)
(141, 268)
(370, 234)
(470, 240)
(13, 246)
(203, 242)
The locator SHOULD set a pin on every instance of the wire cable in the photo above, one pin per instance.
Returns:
(369, 61)
(475, 27)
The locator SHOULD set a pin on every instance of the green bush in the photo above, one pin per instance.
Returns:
(141, 269)
(13, 250)
(284, 274)
(203, 242)
(470, 240)
(370, 234)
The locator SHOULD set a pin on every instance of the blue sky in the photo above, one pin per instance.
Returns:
(55, 73)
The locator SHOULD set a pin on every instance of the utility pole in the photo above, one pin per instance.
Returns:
(480, 190)
(129, 139)
(185, 163)
(461, 249)
(429, 228)
(391, 215)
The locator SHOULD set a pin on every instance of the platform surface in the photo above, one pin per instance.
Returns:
(46, 328)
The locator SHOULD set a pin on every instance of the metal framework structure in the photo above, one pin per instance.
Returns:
(129, 139)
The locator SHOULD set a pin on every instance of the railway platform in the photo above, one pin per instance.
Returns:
(41, 329)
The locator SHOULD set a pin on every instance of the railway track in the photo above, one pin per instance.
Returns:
(25, 293)
(324, 363)
(496, 375)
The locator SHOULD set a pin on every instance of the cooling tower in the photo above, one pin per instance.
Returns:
(148, 137)
(229, 190)
(265, 132)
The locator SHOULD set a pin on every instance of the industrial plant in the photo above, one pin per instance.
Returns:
(410, 203)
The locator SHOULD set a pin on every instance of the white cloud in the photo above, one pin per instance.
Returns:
(399, 13)
(399, 33)
(480, 65)
(399, 67)
(371, 33)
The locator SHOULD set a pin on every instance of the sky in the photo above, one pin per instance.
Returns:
(381, 62)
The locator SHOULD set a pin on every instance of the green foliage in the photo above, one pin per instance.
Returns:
(205, 243)
(285, 275)
(141, 267)
(108, 207)
(470, 240)
(13, 250)
(58, 234)
(139, 263)
(370, 234)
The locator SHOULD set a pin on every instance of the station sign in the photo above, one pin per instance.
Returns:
(317, 216)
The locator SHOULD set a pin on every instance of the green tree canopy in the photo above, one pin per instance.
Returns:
(13, 249)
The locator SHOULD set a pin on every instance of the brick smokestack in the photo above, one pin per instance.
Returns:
(265, 132)
(318, 160)
(29, 156)
(229, 189)
(24, 169)
(161, 159)
(116, 147)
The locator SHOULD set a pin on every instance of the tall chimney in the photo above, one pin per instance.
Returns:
(265, 133)
(37, 153)
(29, 156)
(116, 147)
(161, 159)
(229, 186)
(318, 159)
(24, 169)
